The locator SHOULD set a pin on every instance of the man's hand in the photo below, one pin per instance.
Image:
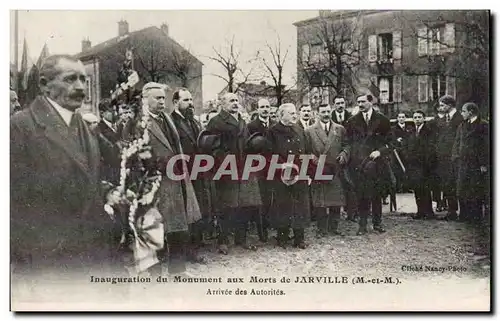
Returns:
(375, 154)
(400, 139)
(483, 169)
(341, 160)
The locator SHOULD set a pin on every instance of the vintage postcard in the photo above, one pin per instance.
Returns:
(323, 160)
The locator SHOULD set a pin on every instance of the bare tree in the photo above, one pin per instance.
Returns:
(273, 68)
(180, 65)
(152, 59)
(333, 54)
(230, 60)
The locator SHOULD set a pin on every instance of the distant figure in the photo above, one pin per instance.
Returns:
(273, 114)
(15, 106)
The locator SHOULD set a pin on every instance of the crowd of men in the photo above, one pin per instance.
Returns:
(57, 162)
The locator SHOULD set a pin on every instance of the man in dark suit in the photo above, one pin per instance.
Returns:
(401, 132)
(306, 118)
(189, 130)
(340, 115)
(471, 156)
(238, 199)
(109, 142)
(436, 186)
(57, 219)
(420, 163)
(261, 125)
(368, 135)
(177, 200)
(446, 132)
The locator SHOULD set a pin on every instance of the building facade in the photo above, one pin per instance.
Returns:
(155, 56)
(406, 59)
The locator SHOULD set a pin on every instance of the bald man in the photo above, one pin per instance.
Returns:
(238, 200)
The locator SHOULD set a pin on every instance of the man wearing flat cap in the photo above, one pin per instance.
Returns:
(237, 199)
(368, 135)
(447, 128)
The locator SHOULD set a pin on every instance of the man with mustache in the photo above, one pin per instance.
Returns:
(327, 138)
(290, 207)
(261, 125)
(57, 219)
(189, 130)
(177, 200)
(305, 116)
(237, 199)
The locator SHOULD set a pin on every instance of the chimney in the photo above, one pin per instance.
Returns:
(86, 44)
(122, 28)
(164, 28)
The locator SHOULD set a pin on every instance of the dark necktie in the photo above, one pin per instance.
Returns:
(448, 118)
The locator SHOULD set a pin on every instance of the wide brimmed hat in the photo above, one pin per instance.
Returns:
(208, 142)
(256, 143)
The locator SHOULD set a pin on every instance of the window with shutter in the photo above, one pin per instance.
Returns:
(450, 86)
(316, 52)
(423, 89)
(397, 88)
(449, 37)
(396, 45)
(305, 54)
(422, 41)
(434, 43)
(372, 48)
(384, 88)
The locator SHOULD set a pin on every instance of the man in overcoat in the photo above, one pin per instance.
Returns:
(420, 162)
(58, 223)
(471, 156)
(401, 132)
(446, 132)
(327, 138)
(340, 115)
(189, 130)
(238, 200)
(261, 125)
(177, 200)
(291, 204)
(369, 135)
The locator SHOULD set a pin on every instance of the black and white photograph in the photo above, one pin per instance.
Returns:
(250, 160)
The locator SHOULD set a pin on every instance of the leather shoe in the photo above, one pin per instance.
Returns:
(223, 249)
(379, 229)
(301, 245)
(361, 232)
(338, 233)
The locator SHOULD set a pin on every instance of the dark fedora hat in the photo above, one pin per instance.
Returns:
(208, 142)
(256, 143)
(369, 167)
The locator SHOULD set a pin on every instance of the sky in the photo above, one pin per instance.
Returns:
(198, 31)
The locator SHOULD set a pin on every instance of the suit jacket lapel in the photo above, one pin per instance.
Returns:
(158, 133)
(183, 125)
(56, 130)
(320, 132)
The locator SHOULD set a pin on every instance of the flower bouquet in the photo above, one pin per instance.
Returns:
(131, 203)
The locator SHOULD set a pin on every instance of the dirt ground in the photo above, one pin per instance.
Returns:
(452, 277)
